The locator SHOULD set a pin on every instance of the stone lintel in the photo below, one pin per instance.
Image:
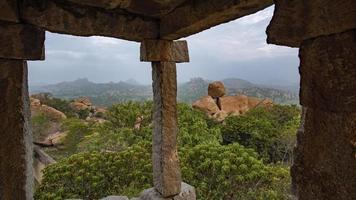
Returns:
(295, 21)
(9, 11)
(166, 171)
(324, 162)
(195, 16)
(328, 72)
(70, 18)
(16, 179)
(164, 50)
(21, 41)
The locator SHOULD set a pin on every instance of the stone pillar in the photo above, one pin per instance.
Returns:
(325, 164)
(16, 140)
(164, 55)
(18, 43)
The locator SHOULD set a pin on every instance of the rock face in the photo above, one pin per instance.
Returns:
(325, 155)
(38, 108)
(16, 138)
(216, 89)
(82, 103)
(219, 107)
(295, 21)
(206, 104)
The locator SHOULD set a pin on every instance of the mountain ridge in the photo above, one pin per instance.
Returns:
(106, 94)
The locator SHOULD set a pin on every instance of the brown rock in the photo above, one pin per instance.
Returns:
(206, 104)
(295, 21)
(55, 139)
(16, 179)
(84, 100)
(254, 102)
(235, 105)
(77, 106)
(196, 16)
(328, 72)
(63, 17)
(324, 164)
(36, 103)
(164, 50)
(108, 4)
(52, 113)
(9, 11)
(216, 89)
(23, 42)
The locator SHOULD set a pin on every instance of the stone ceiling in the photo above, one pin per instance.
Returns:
(133, 20)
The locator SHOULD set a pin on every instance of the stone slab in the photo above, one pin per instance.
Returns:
(16, 178)
(328, 72)
(23, 42)
(166, 171)
(195, 16)
(116, 198)
(70, 18)
(295, 21)
(187, 193)
(9, 11)
(325, 156)
(164, 50)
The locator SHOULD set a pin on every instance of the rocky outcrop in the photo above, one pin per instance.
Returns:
(216, 89)
(218, 106)
(82, 103)
(38, 108)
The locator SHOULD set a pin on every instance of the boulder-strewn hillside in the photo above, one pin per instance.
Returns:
(106, 94)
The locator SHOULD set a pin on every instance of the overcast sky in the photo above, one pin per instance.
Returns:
(237, 49)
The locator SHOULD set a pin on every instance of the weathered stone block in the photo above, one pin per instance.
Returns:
(328, 72)
(64, 17)
(16, 177)
(298, 20)
(166, 171)
(23, 42)
(187, 193)
(164, 50)
(9, 11)
(108, 4)
(325, 156)
(115, 198)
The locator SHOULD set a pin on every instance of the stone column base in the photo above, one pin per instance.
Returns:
(187, 193)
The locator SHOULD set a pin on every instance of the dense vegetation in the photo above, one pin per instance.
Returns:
(244, 158)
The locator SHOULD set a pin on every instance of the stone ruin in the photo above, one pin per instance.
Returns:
(218, 106)
(323, 30)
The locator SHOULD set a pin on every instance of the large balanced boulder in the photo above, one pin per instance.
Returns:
(216, 89)
(206, 104)
(218, 106)
(234, 105)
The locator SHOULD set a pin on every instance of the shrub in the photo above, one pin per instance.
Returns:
(218, 172)
(94, 175)
(231, 172)
(271, 132)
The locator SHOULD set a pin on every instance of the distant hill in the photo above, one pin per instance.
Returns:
(106, 94)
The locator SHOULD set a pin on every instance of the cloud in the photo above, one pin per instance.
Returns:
(234, 49)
